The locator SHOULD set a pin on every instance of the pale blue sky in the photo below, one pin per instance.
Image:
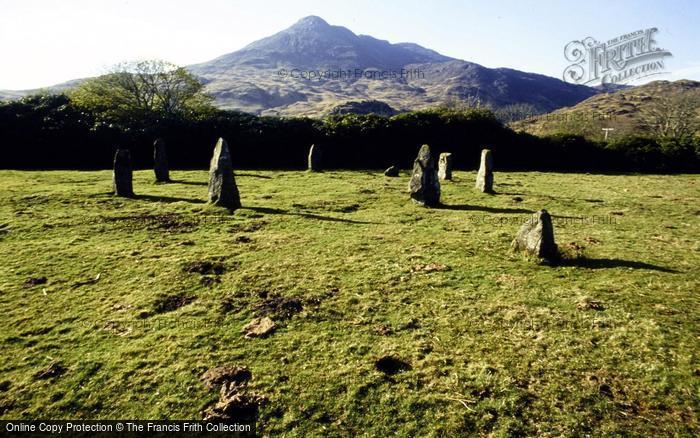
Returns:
(43, 42)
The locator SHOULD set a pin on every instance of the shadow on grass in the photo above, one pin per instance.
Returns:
(190, 183)
(266, 210)
(168, 199)
(269, 210)
(558, 216)
(511, 193)
(484, 209)
(331, 219)
(611, 263)
(251, 175)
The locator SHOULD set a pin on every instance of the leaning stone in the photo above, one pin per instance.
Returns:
(424, 185)
(484, 179)
(393, 171)
(445, 166)
(315, 156)
(536, 237)
(160, 161)
(259, 327)
(122, 175)
(222, 184)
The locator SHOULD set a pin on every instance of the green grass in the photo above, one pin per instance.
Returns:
(496, 342)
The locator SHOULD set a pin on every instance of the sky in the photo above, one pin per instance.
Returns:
(45, 42)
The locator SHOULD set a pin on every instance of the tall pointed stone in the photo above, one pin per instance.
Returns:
(160, 161)
(536, 237)
(122, 175)
(315, 159)
(484, 179)
(424, 185)
(445, 166)
(222, 184)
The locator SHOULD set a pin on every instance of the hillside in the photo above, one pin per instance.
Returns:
(638, 110)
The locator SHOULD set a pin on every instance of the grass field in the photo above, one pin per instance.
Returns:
(475, 338)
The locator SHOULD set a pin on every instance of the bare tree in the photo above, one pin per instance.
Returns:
(673, 116)
(464, 102)
(515, 111)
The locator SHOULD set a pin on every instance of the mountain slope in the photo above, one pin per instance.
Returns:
(266, 76)
(634, 110)
(312, 43)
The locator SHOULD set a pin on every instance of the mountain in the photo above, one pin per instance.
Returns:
(340, 66)
(611, 88)
(313, 67)
(636, 110)
(54, 89)
(12, 94)
(312, 43)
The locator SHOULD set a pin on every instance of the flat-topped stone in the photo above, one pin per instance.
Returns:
(122, 174)
(484, 179)
(445, 166)
(160, 161)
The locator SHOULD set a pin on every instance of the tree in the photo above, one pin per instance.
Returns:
(514, 112)
(673, 116)
(462, 102)
(141, 93)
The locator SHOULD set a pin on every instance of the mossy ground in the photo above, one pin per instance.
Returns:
(491, 340)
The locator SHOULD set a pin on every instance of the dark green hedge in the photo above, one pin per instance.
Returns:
(48, 132)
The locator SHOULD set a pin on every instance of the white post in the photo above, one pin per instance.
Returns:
(606, 132)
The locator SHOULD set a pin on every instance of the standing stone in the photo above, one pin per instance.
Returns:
(445, 166)
(484, 179)
(315, 158)
(392, 171)
(222, 184)
(424, 184)
(160, 161)
(123, 174)
(536, 237)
